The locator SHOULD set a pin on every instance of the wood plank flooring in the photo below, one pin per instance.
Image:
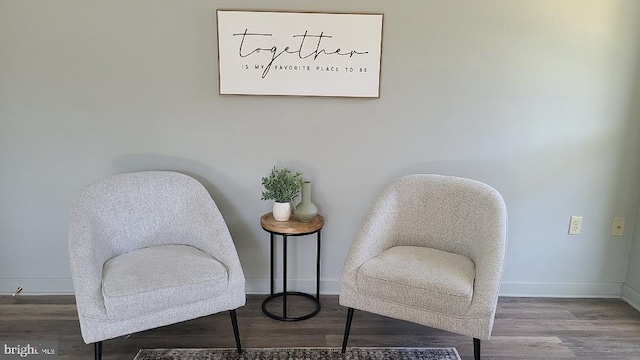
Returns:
(525, 328)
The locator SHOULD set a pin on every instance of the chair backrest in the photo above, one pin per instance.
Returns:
(444, 212)
(141, 209)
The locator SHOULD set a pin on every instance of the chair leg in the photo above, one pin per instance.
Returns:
(97, 347)
(236, 333)
(476, 349)
(347, 329)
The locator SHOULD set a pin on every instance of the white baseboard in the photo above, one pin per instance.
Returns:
(37, 286)
(256, 285)
(260, 285)
(577, 290)
(631, 296)
(517, 289)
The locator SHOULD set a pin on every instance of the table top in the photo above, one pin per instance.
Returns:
(293, 226)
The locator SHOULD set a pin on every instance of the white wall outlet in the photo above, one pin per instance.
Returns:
(575, 225)
(618, 226)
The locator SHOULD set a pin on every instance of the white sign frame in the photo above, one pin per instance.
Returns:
(299, 53)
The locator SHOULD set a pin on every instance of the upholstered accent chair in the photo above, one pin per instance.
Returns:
(431, 251)
(149, 249)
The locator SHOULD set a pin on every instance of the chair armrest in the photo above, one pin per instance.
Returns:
(375, 235)
(218, 243)
(86, 258)
(488, 254)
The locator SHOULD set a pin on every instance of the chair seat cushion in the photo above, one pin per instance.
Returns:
(158, 278)
(425, 278)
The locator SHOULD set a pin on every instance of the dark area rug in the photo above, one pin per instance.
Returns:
(300, 353)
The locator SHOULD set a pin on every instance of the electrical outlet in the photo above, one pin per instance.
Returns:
(618, 226)
(575, 225)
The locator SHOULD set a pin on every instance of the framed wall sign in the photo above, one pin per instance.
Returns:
(304, 54)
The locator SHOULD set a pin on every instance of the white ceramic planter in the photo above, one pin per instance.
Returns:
(281, 211)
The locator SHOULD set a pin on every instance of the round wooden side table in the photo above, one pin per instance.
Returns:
(292, 227)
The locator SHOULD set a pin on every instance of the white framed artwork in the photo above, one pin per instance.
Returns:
(299, 53)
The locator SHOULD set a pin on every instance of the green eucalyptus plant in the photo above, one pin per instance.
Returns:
(282, 185)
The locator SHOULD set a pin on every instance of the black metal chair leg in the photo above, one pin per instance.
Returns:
(347, 329)
(236, 333)
(476, 349)
(97, 347)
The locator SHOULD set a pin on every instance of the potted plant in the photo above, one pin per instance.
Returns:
(282, 186)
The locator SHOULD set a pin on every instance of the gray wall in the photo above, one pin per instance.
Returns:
(631, 287)
(531, 97)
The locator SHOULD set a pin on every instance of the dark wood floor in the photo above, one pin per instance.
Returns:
(525, 328)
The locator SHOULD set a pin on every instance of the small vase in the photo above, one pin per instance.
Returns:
(306, 210)
(281, 211)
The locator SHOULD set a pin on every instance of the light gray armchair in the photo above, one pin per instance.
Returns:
(149, 249)
(430, 251)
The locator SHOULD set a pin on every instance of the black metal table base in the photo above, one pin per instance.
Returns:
(284, 317)
(284, 294)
